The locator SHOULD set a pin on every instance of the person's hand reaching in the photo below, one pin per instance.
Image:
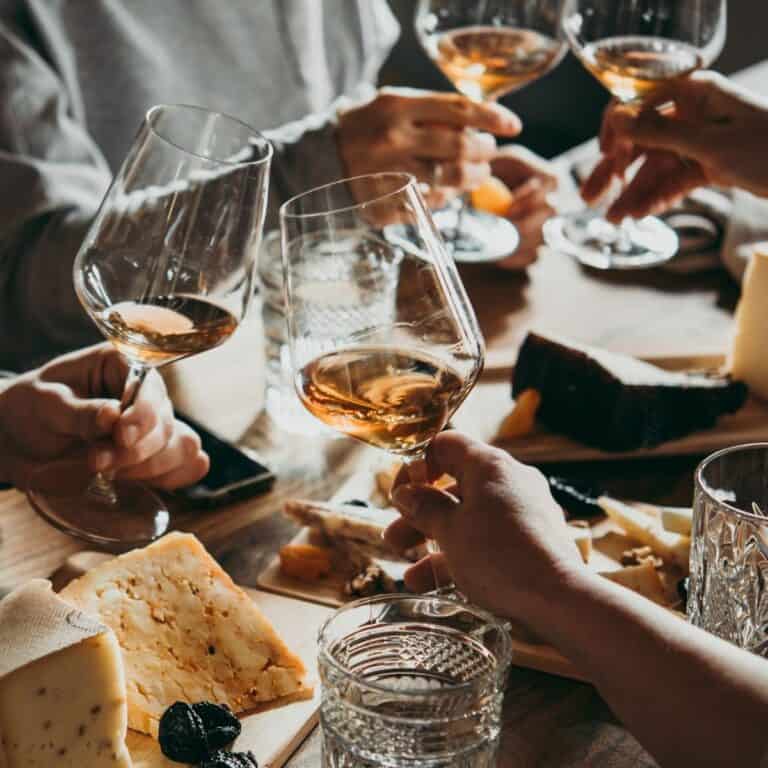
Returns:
(444, 139)
(697, 131)
(71, 407)
(503, 538)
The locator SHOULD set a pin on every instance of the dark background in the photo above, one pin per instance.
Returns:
(564, 108)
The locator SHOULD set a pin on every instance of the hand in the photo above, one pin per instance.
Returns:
(443, 139)
(698, 131)
(531, 180)
(71, 407)
(505, 541)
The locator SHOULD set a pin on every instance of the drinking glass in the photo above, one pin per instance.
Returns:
(384, 342)
(634, 49)
(166, 271)
(411, 681)
(487, 49)
(729, 547)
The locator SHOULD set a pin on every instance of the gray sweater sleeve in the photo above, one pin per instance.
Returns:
(52, 179)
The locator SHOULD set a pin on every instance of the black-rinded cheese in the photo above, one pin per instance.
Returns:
(618, 403)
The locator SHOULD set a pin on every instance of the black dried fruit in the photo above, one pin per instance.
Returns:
(356, 503)
(224, 759)
(182, 734)
(682, 590)
(220, 725)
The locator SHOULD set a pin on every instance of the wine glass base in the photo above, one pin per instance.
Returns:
(598, 244)
(483, 237)
(59, 494)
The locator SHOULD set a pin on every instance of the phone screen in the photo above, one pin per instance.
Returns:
(233, 474)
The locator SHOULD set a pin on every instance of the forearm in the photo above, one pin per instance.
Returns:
(690, 698)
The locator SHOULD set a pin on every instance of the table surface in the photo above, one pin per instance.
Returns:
(548, 721)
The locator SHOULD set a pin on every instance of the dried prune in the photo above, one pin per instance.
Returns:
(182, 734)
(220, 725)
(224, 759)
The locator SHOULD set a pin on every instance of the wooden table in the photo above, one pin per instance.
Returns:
(548, 721)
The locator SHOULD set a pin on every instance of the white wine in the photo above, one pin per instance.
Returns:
(165, 328)
(393, 398)
(632, 68)
(485, 63)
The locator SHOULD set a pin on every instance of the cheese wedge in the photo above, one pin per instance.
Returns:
(67, 708)
(748, 361)
(643, 579)
(187, 632)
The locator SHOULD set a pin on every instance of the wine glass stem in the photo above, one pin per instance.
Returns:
(102, 486)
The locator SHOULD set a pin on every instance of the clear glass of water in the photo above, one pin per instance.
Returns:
(412, 681)
(728, 593)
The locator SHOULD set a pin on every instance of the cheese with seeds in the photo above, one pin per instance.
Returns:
(66, 708)
(187, 632)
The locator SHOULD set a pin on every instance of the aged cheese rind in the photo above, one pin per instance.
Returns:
(187, 632)
(66, 709)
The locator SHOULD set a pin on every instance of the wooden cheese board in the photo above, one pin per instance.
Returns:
(491, 401)
(608, 543)
(273, 734)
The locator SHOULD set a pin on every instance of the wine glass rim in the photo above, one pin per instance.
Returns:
(499, 671)
(268, 149)
(709, 492)
(408, 180)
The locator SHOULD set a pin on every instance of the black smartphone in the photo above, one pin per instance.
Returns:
(233, 475)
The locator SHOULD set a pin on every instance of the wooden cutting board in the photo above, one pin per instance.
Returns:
(489, 403)
(273, 735)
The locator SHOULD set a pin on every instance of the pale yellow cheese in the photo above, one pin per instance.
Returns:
(186, 631)
(582, 538)
(67, 709)
(643, 579)
(677, 519)
(748, 360)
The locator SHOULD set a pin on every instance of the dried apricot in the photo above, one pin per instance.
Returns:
(305, 561)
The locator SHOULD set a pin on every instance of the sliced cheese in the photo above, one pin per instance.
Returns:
(670, 547)
(68, 708)
(186, 631)
(643, 579)
(748, 361)
(582, 538)
(677, 519)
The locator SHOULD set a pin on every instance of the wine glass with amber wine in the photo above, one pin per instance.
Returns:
(384, 342)
(634, 50)
(488, 49)
(166, 271)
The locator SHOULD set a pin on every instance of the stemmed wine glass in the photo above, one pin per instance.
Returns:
(634, 49)
(166, 271)
(487, 49)
(384, 342)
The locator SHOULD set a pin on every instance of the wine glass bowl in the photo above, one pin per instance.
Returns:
(165, 271)
(384, 343)
(634, 51)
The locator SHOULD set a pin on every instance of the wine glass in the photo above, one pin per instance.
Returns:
(487, 49)
(166, 271)
(384, 342)
(634, 49)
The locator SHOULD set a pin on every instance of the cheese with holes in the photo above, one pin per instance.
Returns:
(67, 708)
(748, 360)
(187, 632)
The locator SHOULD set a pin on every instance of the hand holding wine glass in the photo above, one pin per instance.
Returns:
(166, 271)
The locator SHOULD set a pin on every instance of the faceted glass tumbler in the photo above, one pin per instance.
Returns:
(728, 593)
(412, 681)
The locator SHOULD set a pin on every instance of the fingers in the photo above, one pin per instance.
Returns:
(452, 453)
(457, 110)
(516, 165)
(151, 407)
(421, 576)
(60, 411)
(439, 143)
(402, 536)
(663, 179)
(427, 509)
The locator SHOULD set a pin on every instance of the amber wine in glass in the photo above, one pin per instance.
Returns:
(487, 50)
(634, 51)
(166, 271)
(384, 342)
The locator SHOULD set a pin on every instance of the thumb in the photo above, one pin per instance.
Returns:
(426, 508)
(83, 418)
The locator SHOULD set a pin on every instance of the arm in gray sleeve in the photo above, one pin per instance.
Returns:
(52, 179)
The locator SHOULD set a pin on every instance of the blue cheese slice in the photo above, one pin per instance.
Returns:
(187, 632)
(64, 702)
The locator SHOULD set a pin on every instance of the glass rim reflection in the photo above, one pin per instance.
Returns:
(264, 146)
(504, 656)
(705, 488)
(406, 180)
